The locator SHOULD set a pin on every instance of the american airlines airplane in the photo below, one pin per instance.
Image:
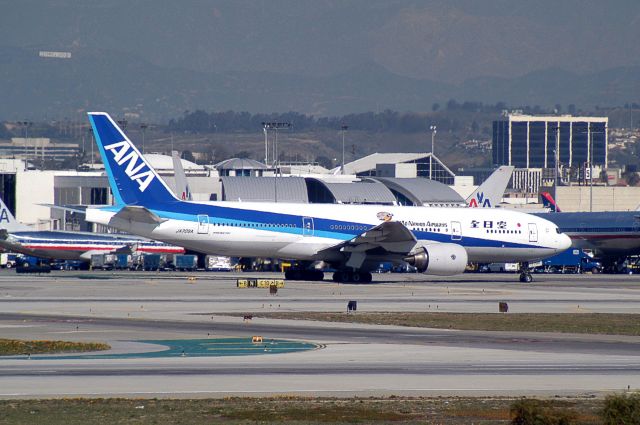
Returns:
(352, 238)
(489, 194)
(67, 245)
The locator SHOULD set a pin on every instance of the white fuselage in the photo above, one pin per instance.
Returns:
(302, 231)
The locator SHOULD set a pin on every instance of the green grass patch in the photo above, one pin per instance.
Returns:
(285, 409)
(12, 347)
(584, 323)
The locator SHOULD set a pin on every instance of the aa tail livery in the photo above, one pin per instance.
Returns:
(489, 194)
(65, 245)
(352, 238)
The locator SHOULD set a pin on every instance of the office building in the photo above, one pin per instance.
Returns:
(528, 141)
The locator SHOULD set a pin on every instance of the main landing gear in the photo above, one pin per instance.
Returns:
(352, 276)
(525, 274)
(298, 274)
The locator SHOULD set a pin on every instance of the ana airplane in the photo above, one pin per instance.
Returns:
(352, 238)
(64, 245)
(489, 194)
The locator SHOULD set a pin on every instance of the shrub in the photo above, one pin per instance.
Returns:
(621, 409)
(539, 412)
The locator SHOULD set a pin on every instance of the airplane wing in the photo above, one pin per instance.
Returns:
(388, 238)
(136, 214)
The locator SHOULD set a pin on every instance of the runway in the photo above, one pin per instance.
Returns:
(122, 309)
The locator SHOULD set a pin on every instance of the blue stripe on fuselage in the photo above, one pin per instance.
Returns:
(269, 221)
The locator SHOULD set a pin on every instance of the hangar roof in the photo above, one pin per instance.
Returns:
(369, 192)
(263, 189)
(369, 162)
(165, 162)
(240, 164)
(421, 191)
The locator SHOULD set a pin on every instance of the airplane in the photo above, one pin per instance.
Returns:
(489, 194)
(182, 186)
(353, 239)
(611, 236)
(549, 202)
(67, 245)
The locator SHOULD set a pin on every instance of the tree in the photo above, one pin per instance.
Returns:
(188, 156)
(242, 154)
(632, 179)
(324, 161)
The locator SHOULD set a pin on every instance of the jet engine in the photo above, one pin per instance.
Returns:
(443, 259)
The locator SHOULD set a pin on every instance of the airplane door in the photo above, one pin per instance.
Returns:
(456, 231)
(533, 232)
(203, 224)
(307, 226)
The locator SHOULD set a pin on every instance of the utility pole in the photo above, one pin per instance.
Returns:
(433, 138)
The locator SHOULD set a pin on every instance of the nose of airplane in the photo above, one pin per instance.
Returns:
(564, 243)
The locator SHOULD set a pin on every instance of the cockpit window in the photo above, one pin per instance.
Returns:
(558, 230)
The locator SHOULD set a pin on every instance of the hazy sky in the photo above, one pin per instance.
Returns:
(439, 40)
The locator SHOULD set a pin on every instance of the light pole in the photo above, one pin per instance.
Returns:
(344, 130)
(433, 138)
(143, 127)
(92, 142)
(590, 171)
(266, 144)
(275, 125)
(556, 153)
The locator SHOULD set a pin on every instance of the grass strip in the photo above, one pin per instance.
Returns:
(12, 347)
(583, 323)
(284, 409)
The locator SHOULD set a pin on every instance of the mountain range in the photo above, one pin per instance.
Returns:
(321, 57)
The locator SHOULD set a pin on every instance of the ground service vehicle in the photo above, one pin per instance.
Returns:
(571, 261)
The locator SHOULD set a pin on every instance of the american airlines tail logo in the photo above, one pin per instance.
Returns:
(4, 216)
(480, 201)
(134, 163)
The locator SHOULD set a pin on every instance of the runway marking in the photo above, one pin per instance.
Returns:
(77, 331)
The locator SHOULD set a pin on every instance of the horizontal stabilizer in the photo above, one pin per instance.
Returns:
(80, 210)
(136, 214)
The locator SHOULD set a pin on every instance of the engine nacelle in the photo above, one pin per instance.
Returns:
(443, 259)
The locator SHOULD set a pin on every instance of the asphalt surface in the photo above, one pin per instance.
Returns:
(350, 359)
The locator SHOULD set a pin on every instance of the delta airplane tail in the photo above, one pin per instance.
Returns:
(549, 202)
(136, 181)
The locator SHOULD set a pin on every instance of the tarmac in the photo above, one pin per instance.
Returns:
(138, 312)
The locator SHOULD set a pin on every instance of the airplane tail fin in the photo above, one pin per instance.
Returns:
(182, 187)
(549, 202)
(490, 192)
(8, 222)
(133, 181)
